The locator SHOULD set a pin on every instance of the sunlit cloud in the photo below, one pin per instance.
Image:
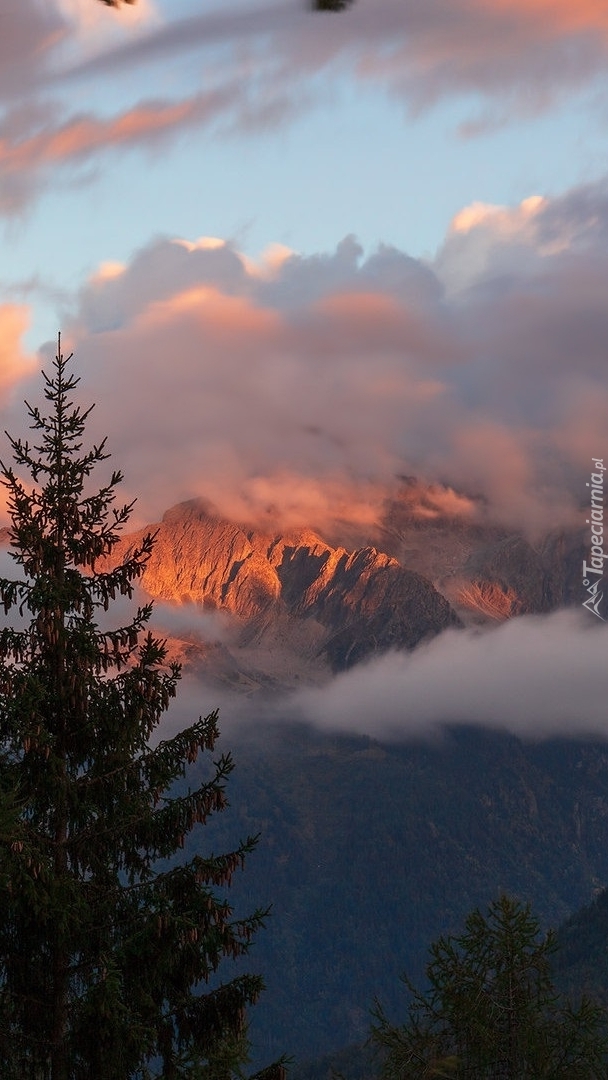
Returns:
(427, 502)
(24, 161)
(107, 271)
(305, 389)
(15, 364)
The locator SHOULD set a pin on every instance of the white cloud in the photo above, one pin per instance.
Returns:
(534, 676)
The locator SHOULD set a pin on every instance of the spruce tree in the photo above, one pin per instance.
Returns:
(491, 1011)
(108, 946)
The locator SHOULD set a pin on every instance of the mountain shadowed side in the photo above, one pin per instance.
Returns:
(581, 964)
(377, 849)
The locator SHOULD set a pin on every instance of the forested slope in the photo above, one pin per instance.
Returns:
(369, 851)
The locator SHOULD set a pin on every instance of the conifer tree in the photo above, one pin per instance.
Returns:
(108, 948)
(491, 1010)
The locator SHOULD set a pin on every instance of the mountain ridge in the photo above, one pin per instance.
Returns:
(293, 589)
(292, 609)
(263, 610)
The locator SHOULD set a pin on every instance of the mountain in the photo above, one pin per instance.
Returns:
(581, 961)
(487, 571)
(294, 604)
(294, 608)
(431, 562)
(579, 966)
(369, 851)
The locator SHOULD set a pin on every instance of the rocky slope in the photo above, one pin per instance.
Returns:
(289, 594)
(486, 571)
(294, 608)
(291, 607)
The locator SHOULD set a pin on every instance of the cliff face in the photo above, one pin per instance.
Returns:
(298, 607)
(487, 571)
(295, 607)
(292, 591)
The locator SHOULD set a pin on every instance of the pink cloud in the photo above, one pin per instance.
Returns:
(305, 387)
(559, 16)
(512, 58)
(262, 425)
(15, 367)
(24, 160)
(524, 53)
(426, 502)
(15, 364)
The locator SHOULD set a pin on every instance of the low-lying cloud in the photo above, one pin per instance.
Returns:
(534, 676)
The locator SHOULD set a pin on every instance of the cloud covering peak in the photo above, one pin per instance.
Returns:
(303, 387)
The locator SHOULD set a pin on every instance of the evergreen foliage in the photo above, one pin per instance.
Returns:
(581, 962)
(490, 1010)
(107, 961)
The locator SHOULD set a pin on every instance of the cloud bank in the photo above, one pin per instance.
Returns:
(535, 676)
(299, 389)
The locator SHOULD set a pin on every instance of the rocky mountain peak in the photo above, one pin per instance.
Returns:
(290, 591)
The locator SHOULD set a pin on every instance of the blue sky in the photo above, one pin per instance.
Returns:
(348, 156)
(461, 145)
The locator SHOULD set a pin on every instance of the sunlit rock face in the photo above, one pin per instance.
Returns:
(293, 608)
(293, 591)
